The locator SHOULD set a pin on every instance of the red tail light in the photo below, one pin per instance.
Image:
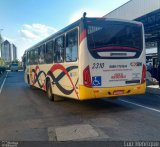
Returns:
(87, 77)
(143, 74)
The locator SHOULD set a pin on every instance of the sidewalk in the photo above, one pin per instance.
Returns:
(154, 89)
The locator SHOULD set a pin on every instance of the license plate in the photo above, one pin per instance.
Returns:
(118, 92)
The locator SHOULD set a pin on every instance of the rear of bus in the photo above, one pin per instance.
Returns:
(111, 58)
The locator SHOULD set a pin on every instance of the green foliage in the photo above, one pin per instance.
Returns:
(2, 62)
(16, 61)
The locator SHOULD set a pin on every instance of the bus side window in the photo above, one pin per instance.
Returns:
(72, 46)
(41, 53)
(31, 57)
(36, 56)
(49, 52)
(28, 59)
(59, 50)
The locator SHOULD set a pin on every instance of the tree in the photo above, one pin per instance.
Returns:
(16, 61)
(2, 62)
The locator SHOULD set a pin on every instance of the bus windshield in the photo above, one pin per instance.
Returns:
(114, 37)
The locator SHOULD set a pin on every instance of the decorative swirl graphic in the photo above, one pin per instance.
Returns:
(65, 71)
(36, 78)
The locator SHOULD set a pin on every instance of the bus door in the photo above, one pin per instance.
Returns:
(71, 58)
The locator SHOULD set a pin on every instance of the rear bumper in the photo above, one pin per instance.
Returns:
(91, 93)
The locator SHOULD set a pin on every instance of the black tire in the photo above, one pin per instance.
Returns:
(49, 91)
(28, 80)
(31, 87)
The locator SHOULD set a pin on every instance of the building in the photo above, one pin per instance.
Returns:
(14, 52)
(6, 51)
(147, 12)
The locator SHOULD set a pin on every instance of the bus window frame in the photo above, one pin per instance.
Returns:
(64, 43)
(28, 60)
(53, 44)
(30, 53)
(44, 49)
(36, 56)
(75, 28)
(53, 39)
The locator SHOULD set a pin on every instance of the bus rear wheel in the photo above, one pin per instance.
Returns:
(29, 83)
(49, 91)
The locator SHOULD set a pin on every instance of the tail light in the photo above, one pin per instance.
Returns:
(143, 74)
(87, 77)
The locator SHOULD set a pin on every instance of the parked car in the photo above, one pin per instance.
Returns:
(14, 67)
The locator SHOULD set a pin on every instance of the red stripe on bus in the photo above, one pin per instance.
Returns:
(116, 48)
(83, 35)
(44, 87)
(35, 75)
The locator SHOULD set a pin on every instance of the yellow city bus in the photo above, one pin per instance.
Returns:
(91, 58)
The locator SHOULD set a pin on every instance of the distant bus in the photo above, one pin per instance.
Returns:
(91, 58)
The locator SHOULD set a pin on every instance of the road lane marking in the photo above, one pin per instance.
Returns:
(140, 105)
(3, 83)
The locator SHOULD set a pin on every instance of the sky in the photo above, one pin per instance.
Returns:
(26, 22)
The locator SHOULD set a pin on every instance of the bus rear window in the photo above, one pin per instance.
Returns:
(114, 39)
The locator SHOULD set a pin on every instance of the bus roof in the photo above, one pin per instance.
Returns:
(77, 23)
(56, 34)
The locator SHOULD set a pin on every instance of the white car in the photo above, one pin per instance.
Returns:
(14, 67)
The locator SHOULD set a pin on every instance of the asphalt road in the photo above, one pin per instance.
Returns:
(27, 115)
